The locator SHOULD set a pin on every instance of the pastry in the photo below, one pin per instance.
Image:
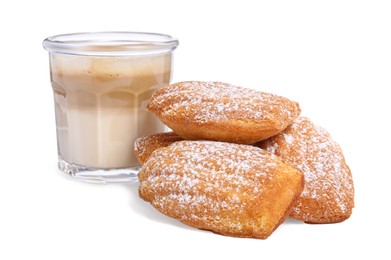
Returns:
(328, 195)
(218, 111)
(144, 146)
(230, 189)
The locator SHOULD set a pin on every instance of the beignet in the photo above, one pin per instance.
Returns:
(328, 195)
(144, 146)
(231, 189)
(218, 111)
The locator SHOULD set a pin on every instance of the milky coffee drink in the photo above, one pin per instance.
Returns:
(102, 83)
(100, 106)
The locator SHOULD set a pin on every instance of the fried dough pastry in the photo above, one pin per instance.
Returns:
(231, 189)
(218, 111)
(328, 195)
(144, 146)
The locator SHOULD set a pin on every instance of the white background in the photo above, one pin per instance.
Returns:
(333, 57)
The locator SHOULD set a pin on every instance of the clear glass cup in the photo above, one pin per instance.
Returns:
(102, 83)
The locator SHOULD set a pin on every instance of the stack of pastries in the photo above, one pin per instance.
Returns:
(240, 161)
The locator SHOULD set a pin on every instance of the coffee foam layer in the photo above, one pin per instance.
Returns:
(110, 67)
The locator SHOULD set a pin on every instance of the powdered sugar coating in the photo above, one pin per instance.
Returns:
(188, 106)
(223, 101)
(227, 188)
(328, 191)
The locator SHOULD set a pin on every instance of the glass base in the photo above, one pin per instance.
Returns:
(96, 175)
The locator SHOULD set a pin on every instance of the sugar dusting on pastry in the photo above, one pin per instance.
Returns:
(221, 101)
(328, 191)
(226, 173)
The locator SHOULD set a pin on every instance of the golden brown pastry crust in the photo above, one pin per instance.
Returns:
(198, 110)
(328, 195)
(230, 189)
(144, 146)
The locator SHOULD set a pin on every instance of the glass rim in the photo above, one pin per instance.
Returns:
(110, 43)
